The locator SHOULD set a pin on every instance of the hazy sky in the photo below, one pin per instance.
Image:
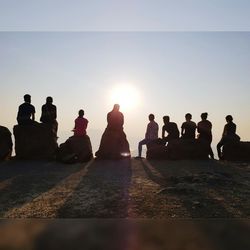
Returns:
(173, 72)
(125, 15)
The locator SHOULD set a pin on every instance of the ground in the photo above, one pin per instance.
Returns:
(191, 197)
(125, 189)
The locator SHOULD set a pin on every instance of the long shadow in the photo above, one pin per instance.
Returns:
(21, 182)
(102, 192)
(191, 188)
(216, 222)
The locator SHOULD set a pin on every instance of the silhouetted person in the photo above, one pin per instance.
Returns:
(188, 128)
(204, 128)
(151, 134)
(114, 144)
(81, 124)
(26, 112)
(229, 134)
(115, 119)
(49, 113)
(171, 128)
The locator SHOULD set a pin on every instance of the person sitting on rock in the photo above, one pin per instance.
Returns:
(151, 134)
(81, 124)
(229, 135)
(188, 128)
(204, 128)
(49, 114)
(115, 118)
(114, 144)
(26, 112)
(171, 128)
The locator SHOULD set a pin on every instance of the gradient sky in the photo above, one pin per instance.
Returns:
(174, 73)
(121, 15)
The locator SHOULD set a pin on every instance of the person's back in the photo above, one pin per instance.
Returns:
(26, 112)
(229, 129)
(188, 128)
(204, 129)
(115, 119)
(49, 112)
(81, 124)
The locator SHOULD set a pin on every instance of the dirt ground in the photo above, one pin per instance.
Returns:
(165, 204)
(125, 189)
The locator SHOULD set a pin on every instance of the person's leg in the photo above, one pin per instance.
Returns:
(219, 145)
(211, 153)
(143, 142)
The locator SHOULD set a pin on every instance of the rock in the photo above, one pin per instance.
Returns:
(36, 141)
(114, 145)
(157, 152)
(5, 143)
(75, 149)
(236, 151)
(181, 149)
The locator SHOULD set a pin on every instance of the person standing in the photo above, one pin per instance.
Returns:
(26, 112)
(151, 134)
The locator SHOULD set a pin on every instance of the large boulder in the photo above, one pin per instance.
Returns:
(183, 149)
(179, 149)
(157, 152)
(5, 143)
(236, 151)
(114, 145)
(36, 141)
(75, 149)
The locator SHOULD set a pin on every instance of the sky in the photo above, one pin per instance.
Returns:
(125, 15)
(178, 56)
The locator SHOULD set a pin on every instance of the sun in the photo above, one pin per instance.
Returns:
(126, 96)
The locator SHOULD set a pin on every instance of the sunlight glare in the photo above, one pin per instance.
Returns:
(125, 95)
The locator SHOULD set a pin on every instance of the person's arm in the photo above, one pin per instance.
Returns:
(163, 132)
(122, 119)
(85, 125)
(182, 130)
(55, 113)
(147, 131)
(198, 128)
(224, 131)
(33, 114)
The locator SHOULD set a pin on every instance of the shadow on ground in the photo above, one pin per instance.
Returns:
(103, 192)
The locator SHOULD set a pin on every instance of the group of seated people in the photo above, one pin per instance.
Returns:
(188, 132)
(26, 116)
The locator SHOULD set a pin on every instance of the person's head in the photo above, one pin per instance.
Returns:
(116, 107)
(151, 117)
(204, 116)
(27, 98)
(229, 118)
(49, 100)
(188, 117)
(166, 119)
(81, 113)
